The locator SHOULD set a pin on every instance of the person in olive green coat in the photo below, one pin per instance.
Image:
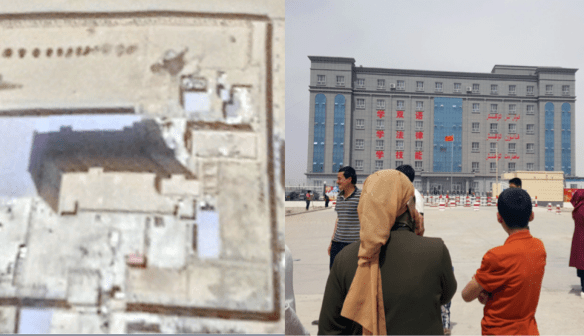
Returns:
(416, 278)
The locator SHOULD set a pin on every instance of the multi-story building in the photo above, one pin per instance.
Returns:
(513, 118)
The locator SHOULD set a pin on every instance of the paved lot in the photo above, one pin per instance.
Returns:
(468, 235)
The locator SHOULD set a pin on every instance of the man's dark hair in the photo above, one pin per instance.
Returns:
(516, 181)
(408, 171)
(348, 171)
(515, 207)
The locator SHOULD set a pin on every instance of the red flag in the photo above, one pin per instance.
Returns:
(449, 138)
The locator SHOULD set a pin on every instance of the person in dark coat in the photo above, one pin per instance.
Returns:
(577, 252)
(326, 200)
(308, 196)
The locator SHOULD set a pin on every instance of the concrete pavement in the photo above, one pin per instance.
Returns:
(468, 235)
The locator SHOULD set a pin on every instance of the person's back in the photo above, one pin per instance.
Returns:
(512, 273)
(417, 278)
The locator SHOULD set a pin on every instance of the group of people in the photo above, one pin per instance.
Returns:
(387, 278)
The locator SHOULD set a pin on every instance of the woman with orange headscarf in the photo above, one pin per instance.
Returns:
(577, 253)
(388, 285)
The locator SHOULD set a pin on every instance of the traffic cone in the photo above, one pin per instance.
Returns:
(558, 210)
(452, 203)
(467, 202)
(442, 205)
(536, 201)
(549, 207)
(477, 205)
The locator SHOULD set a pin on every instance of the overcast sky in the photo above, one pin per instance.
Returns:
(468, 36)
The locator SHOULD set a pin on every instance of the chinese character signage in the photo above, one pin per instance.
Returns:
(419, 135)
(400, 114)
(419, 115)
(381, 113)
(379, 154)
(399, 135)
(418, 156)
(380, 134)
(399, 155)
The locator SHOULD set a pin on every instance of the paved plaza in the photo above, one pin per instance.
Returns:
(468, 235)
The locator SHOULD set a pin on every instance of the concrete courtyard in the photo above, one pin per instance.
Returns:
(468, 235)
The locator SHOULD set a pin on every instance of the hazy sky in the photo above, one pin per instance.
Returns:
(468, 36)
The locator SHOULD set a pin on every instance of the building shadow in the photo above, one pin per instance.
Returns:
(140, 149)
(576, 289)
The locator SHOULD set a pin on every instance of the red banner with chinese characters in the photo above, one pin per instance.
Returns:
(399, 155)
(399, 135)
(568, 193)
(380, 134)
(379, 154)
(400, 114)
(381, 113)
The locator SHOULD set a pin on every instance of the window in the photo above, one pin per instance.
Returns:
(418, 165)
(512, 128)
(493, 108)
(530, 148)
(379, 144)
(419, 106)
(381, 84)
(400, 125)
(549, 89)
(359, 144)
(494, 88)
(492, 169)
(475, 147)
(511, 166)
(378, 164)
(379, 124)
(475, 88)
(398, 163)
(360, 124)
(475, 186)
(566, 90)
(493, 147)
(438, 87)
(381, 104)
(530, 129)
(419, 125)
(475, 167)
(419, 86)
(400, 104)
(401, 85)
(358, 164)
(530, 90)
(340, 80)
(511, 89)
(360, 103)
(494, 128)
(360, 83)
(512, 108)
(530, 167)
(399, 145)
(457, 87)
(419, 145)
(475, 127)
(512, 148)
(572, 185)
(476, 107)
(530, 109)
(321, 80)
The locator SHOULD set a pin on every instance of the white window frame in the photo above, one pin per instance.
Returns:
(360, 100)
(494, 89)
(340, 80)
(360, 83)
(566, 90)
(494, 130)
(438, 86)
(419, 106)
(512, 108)
(378, 164)
(477, 108)
(359, 143)
(358, 164)
(419, 86)
(419, 125)
(320, 79)
(476, 88)
(477, 128)
(418, 165)
(400, 104)
(530, 90)
(399, 145)
(494, 108)
(381, 84)
(401, 85)
(492, 149)
(549, 89)
(421, 145)
(379, 124)
(512, 128)
(379, 144)
(529, 150)
(530, 109)
(475, 167)
(475, 147)
(459, 89)
(512, 147)
(381, 104)
(511, 167)
(530, 129)
(400, 125)
(492, 168)
(360, 124)
(512, 90)
(530, 166)
(398, 163)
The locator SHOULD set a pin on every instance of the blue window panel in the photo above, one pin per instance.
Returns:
(549, 136)
(447, 121)
(319, 133)
(339, 133)
(567, 139)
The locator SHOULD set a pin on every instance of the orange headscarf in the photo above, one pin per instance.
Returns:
(386, 195)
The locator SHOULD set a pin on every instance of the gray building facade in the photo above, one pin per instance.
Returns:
(513, 118)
